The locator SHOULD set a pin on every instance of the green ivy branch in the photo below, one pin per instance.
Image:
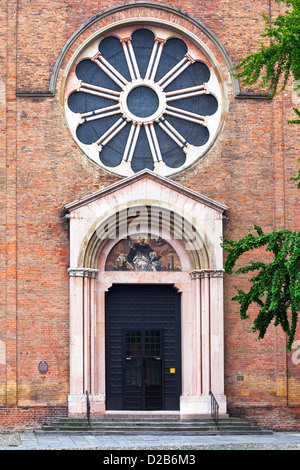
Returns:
(276, 285)
(272, 66)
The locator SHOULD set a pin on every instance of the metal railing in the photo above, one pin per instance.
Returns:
(214, 409)
(88, 409)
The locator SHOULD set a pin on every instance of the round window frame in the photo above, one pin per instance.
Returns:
(163, 30)
(135, 84)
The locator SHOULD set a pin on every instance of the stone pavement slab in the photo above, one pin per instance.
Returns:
(29, 441)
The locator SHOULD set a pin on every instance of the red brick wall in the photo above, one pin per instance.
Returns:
(42, 169)
(28, 418)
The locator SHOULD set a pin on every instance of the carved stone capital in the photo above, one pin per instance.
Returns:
(207, 273)
(83, 272)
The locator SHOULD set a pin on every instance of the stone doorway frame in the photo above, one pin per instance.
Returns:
(200, 283)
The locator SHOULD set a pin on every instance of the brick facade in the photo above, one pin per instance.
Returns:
(247, 169)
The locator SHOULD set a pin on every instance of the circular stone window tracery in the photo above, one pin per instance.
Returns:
(143, 98)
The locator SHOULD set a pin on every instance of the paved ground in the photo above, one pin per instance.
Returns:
(29, 441)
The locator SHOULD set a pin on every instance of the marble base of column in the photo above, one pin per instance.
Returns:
(193, 406)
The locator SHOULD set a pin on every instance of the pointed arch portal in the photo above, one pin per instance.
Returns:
(125, 247)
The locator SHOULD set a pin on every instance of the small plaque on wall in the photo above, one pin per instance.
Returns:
(43, 367)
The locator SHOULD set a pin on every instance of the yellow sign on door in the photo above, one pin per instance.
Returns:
(172, 371)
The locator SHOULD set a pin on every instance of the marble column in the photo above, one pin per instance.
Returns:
(206, 348)
(82, 337)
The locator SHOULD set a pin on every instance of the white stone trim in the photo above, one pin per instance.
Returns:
(83, 272)
(200, 274)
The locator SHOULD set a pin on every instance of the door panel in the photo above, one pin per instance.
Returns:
(143, 380)
(153, 384)
(133, 397)
(133, 385)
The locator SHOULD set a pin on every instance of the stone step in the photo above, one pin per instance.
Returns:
(148, 426)
(106, 419)
(153, 424)
(110, 426)
(158, 433)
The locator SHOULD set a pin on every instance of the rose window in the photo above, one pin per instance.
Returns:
(138, 99)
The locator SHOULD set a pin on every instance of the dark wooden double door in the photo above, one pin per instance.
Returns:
(143, 347)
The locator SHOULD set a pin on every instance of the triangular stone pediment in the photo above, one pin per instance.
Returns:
(140, 177)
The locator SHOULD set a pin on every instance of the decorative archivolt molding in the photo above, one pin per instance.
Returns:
(198, 246)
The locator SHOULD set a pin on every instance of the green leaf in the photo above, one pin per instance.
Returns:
(275, 287)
